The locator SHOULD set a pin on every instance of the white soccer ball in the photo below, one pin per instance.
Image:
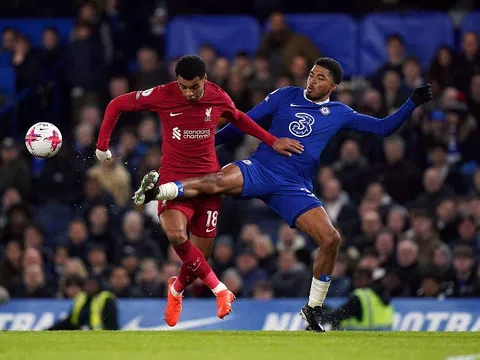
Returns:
(43, 140)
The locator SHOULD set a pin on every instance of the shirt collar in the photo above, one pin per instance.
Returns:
(318, 103)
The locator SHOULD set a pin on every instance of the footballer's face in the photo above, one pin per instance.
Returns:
(320, 84)
(192, 90)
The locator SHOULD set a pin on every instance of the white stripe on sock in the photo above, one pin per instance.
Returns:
(175, 292)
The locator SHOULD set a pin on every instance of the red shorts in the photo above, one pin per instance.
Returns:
(201, 213)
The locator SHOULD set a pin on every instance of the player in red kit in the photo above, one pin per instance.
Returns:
(189, 110)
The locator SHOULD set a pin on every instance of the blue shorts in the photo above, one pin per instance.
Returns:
(289, 196)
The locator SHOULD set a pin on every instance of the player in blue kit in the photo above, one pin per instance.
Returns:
(284, 183)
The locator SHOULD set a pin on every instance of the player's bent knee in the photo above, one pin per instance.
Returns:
(176, 237)
(332, 240)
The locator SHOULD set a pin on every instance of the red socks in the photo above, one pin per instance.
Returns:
(194, 265)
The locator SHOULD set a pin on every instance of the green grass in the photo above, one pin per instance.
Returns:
(233, 345)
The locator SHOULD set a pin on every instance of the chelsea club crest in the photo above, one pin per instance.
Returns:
(325, 111)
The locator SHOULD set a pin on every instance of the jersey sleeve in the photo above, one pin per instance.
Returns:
(260, 114)
(150, 99)
(384, 127)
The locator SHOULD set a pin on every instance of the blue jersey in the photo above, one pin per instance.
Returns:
(313, 124)
(285, 182)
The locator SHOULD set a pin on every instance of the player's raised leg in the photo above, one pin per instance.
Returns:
(316, 224)
(174, 224)
(228, 181)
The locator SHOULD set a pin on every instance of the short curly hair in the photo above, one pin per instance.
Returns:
(333, 67)
(190, 66)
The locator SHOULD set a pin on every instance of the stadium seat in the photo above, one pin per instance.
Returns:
(228, 34)
(33, 28)
(334, 34)
(7, 80)
(5, 59)
(471, 22)
(423, 33)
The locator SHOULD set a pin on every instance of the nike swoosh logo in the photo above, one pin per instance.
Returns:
(210, 230)
(172, 114)
(294, 105)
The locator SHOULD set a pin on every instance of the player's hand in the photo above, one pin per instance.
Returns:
(103, 155)
(422, 95)
(287, 147)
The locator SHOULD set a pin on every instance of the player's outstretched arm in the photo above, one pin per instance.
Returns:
(133, 101)
(283, 146)
(391, 123)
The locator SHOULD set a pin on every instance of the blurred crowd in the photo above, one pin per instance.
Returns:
(409, 203)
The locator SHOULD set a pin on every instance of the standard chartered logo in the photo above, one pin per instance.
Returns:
(190, 134)
(176, 133)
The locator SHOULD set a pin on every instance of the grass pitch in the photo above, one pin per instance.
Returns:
(236, 345)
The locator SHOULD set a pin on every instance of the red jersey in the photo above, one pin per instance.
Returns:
(188, 128)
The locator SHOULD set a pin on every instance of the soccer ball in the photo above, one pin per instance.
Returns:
(43, 140)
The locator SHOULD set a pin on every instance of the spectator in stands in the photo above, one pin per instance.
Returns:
(150, 72)
(435, 192)
(292, 278)
(261, 80)
(221, 70)
(442, 68)
(468, 62)
(299, 70)
(11, 266)
(150, 282)
(372, 103)
(424, 235)
(242, 65)
(77, 240)
(449, 172)
(136, 238)
(73, 266)
(467, 236)
(397, 220)
(371, 224)
(408, 269)
(385, 248)
(281, 45)
(97, 263)
(59, 262)
(447, 220)
(101, 231)
(115, 179)
(376, 193)
(400, 178)
(238, 91)
(352, 169)
(120, 284)
(222, 254)
(89, 14)
(52, 52)
(208, 53)
(393, 94)
(14, 172)
(233, 281)
(9, 38)
(369, 260)
(395, 56)
(412, 73)
(85, 66)
(18, 218)
(341, 283)
(465, 276)
(33, 238)
(431, 286)
(290, 239)
(442, 262)
(338, 206)
(250, 272)
(34, 284)
(94, 194)
(118, 85)
(265, 253)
